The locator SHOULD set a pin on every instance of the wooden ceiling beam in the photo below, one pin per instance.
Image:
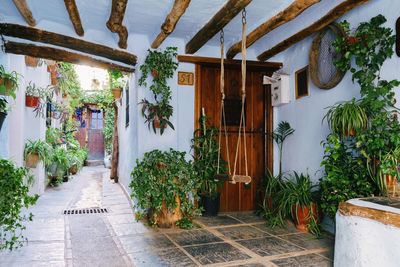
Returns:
(74, 16)
(170, 22)
(36, 35)
(60, 55)
(25, 11)
(217, 22)
(114, 23)
(330, 17)
(290, 13)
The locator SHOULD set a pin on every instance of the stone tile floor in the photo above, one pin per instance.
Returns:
(116, 239)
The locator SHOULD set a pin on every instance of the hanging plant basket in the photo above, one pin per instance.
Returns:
(31, 101)
(9, 86)
(32, 160)
(3, 116)
(117, 93)
(31, 61)
(157, 123)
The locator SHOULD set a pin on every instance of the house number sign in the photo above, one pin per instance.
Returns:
(185, 78)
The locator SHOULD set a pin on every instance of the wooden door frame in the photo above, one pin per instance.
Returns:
(268, 111)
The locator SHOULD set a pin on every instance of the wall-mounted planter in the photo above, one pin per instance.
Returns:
(3, 116)
(9, 86)
(32, 160)
(117, 93)
(31, 101)
(31, 61)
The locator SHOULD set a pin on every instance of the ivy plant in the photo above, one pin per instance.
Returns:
(160, 177)
(14, 197)
(161, 66)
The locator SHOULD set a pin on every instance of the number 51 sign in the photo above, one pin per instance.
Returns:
(185, 78)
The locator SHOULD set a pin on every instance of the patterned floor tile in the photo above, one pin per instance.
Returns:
(309, 241)
(311, 260)
(194, 237)
(247, 217)
(242, 232)
(171, 257)
(289, 229)
(269, 246)
(216, 253)
(136, 243)
(222, 220)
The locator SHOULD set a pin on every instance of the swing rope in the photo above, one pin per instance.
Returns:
(222, 121)
(242, 125)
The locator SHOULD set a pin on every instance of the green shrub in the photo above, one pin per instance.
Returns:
(14, 196)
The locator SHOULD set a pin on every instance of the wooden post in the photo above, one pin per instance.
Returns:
(23, 8)
(73, 13)
(114, 23)
(115, 152)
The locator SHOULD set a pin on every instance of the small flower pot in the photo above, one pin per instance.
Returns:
(3, 116)
(210, 203)
(117, 93)
(157, 123)
(31, 61)
(31, 101)
(301, 216)
(32, 160)
(9, 86)
(51, 68)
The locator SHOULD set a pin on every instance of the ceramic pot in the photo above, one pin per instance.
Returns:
(31, 101)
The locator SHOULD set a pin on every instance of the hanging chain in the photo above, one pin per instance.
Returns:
(244, 13)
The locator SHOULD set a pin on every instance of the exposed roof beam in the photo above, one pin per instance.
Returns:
(114, 23)
(170, 22)
(290, 13)
(23, 8)
(60, 55)
(73, 13)
(36, 35)
(330, 17)
(223, 17)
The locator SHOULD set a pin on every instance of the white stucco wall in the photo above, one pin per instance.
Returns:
(303, 151)
(21, 123)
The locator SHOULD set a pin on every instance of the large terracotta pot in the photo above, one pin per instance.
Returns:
(117, 93)
(31, 61)
(31, 101)
(32, 160)
(8, 84)
(301, 216)
(166, 218)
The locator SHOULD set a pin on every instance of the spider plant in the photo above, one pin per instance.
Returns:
(8, 82)
(347, 118)
(279, 135)
(39, 147)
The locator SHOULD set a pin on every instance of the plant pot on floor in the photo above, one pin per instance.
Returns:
(73, 170)
(31, 101)
(117, 93)
(391, 183)
(3, 116)
(166, 218)
(301, 216)
(31, 61)
(210, 203)
(8, 84)
(32, 160)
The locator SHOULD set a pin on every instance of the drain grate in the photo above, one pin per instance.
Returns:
(85, 211)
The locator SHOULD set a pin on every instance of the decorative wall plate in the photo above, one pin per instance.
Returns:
(323, 73)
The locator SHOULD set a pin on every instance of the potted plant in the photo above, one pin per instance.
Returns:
(117, 83)
(58, 165)
(3, 110)
(389, 171)
(32, 95)
(297, 199)
(347, 118)
(164, 185)
(205, 163)
(31, 61)
(36, 151)
(161, 66)
(279, 135)
(8, 82)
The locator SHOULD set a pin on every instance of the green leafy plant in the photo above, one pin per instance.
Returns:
(69, 84)
(162, 177)
(117, 79)
(8, 79)
(162, 66)
(60, 163)
(279, 135)
(205, 158)
(39, 147)
(14, 197)
(347, 118)
(4, 105)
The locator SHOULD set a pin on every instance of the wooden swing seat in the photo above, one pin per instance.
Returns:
(240, 179)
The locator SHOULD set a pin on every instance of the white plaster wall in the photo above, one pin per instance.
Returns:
(303, 151)
(21, 124)
(362, 242)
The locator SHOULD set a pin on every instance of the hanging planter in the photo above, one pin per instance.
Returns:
(32, 160)
(117, 93)
(31, 101)
(31, 61)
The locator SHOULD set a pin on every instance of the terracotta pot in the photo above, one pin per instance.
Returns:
(154, 73)
(117, 93)
(166, 218)
(157, 123)
(32, 160)
(31, 101)
(301, 216)
(352, 132)
(73, 170)
(3, 116)
(51, 68)
(391, 183)
(8, 84)
(31, 61)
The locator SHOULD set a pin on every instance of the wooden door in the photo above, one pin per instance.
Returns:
(95, 136)
(239, 197)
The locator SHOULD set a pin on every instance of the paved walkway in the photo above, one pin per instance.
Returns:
(114, 238)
